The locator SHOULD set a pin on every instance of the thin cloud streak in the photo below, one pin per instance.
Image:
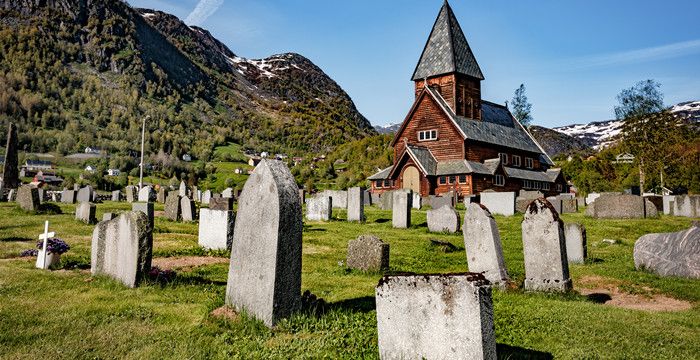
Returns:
(203, 10)
(641, 55)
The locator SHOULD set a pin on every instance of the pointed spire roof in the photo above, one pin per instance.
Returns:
(447, 50)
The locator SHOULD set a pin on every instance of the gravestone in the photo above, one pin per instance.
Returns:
(502, 203)
(444, 219)
(40, 191)
(146, 208)
(11, 196)
(146, 194)
(621, 206)
(227, 193)
(521, 204)
(376, 199)
(116, 195)
(368, 253)
(122, 248)
(131, 193)
(76, 187)
(172, 206)
(437, 202)
(591, 198)
(86, 212)
(302, 196)
(223, 203)
(544, 248)
(556, 203)
(686, 206)
(356, 204)
(668, 201)
(576, 247)
(55, 196)
(435, 317)
(216, 227)
(28, 198)
(10, 170)
(670, 254)
(108, 216)
(264, 276)
(319, 208)
(340, 198)
(183, 189)
(188, 209)
(482, 243)
(401, 211)
(162, 195)
(387, 200)
(530, 194)
(657, 200)
(68, 196)
(367, 198)
(85, 194)
(417, 201)
(206, 197)
(569, 206)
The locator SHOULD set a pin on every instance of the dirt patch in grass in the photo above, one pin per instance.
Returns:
(187, 262)
(226, 313)
(613, 292)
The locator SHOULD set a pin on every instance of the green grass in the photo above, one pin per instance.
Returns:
(67, 314)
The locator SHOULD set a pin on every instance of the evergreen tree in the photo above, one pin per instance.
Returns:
(522, 109)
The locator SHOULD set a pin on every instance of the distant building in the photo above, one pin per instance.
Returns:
(90, 169)
(113, 172)
(36, 165)
(625, 158)
(187, 157)
(42, 178)
(93, 150)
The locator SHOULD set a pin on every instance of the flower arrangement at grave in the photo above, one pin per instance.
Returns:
(54, 246)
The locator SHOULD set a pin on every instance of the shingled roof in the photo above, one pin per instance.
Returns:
(446, 50)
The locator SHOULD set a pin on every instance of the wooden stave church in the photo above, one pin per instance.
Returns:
(452, 140)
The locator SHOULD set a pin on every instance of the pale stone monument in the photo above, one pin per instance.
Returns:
(482, 243)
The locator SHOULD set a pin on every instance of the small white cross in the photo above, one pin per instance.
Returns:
(46, 236)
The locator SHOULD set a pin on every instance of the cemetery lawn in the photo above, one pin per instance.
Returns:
(67, 314)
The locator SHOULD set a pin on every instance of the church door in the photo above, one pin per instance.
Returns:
(411, 179)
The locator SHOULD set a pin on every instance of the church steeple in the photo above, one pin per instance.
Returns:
(447, 50)
(448, 64)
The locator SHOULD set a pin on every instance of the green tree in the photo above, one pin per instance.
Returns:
(522, 109)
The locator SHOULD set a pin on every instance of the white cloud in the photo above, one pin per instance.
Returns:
(203, 10)
(640, 55)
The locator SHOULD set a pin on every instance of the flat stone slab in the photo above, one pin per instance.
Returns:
(368, 253)
(670, 254)
(621, 206)
(216, 228)
(686, 206)
(444, 219)
(501, 203)
(482, 243)
(435, 317)
(131, 194)
(85, 194)
(122, 248)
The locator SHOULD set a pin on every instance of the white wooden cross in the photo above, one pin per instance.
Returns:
(45, 236)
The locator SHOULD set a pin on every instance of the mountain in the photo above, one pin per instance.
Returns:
(387, 129)
(600, 134)
(77, 73)
(556, 143)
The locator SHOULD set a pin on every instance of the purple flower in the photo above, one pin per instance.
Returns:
(54, 246)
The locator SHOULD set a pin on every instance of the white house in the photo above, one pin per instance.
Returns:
(93, 150)
(187, 157)
(90, 169)
(113, 172)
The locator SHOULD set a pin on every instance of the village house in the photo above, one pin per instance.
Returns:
(37, 165)
(113, 172)
(93, 150)
(452, 140)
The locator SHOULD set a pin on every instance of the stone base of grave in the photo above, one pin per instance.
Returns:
(548, 285)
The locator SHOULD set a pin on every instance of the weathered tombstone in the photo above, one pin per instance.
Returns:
(85, 194)
(222, 203)
(227, 193)
(108, 216)
(340, 198)
(216, 226)
(650, 209)
(264, 276)
(686, 206)
(199, 196)
(502, 203)
(356, 204)
(302, 196)
(670, 254)
(28, 198)
(437, 202)
(10, 172)
(576, 247)
(521, 204)
(444, 219)
(417, 201)
(620, 206)
(172, 206)
(206, 197)
(116, 195)
(544, 247)
(556, 203)
(401, 212)
(40, 191)
(668, 201)
(367, 198)
(183, 189)
(530, 194)
(376, 199)
(580, 202)
(435, 317)
(146, 194)
(162, 195)
(387, 200)
(122, 248)
(76, 187)
(55, 196)
(482, 243)
(68, 197)
(12, 195)
(86, 212)
(131, 193)
(146, 208)
(319, 208)
(188, 209)
(569, 206)
(368, 253)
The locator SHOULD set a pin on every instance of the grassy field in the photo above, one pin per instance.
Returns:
(67, 314)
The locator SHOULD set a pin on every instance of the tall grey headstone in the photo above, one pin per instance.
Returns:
(340, 198)
(265, 272)
(162, 195)
(443, 219)
(216, 228)
(401, 213)
(172, 206)
(686, 206)
(368, 253)
(188, 209)
(387, 200)
(146, 208)
(435, 317)
(319, 208)
(146, 194)
(206, 197)
(367, 198)
(122, 248)
(620, 206)
(227, 193)
(502, 203)
(544, 247)
(116, 195)
(417, 201)
(356, 204)
(10, 171)
(85, 194)
(556, 203)
(12, 195)
(68, 196)
(576, 247)
(670, 254)
(86, 212)
(482, 243)
(28, 198)
(183, 189)
(131, 193)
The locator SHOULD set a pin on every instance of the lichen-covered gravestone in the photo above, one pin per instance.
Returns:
(85, 212)
(122, 248)
(28, 198)
(544, 247)
(401, 213)
(85, 194)
(264, 276)
(188, 209)
(444, 219)
(319, 208)
(172, 206)
(575, 235)
(482, 243)
(368, 253)
(356, 204)
(435, 317)
(10, 171)
(670, 254)
(146, 208)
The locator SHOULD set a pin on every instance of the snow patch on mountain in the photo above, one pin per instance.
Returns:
(388, 128)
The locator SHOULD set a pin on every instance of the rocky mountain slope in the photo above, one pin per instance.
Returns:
(76, 73)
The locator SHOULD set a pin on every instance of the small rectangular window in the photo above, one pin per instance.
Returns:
(528, 163)
(463, 179)
(433, 134)
(421, 136)
(387, 183)
(453, 179)
(559, 187)
(499, 180)
(443, 180)
(545, 186)
(427, 135)
(516, 160)
(378, 183)
(504, 158)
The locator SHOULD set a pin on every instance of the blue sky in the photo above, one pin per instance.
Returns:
(574, 57)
